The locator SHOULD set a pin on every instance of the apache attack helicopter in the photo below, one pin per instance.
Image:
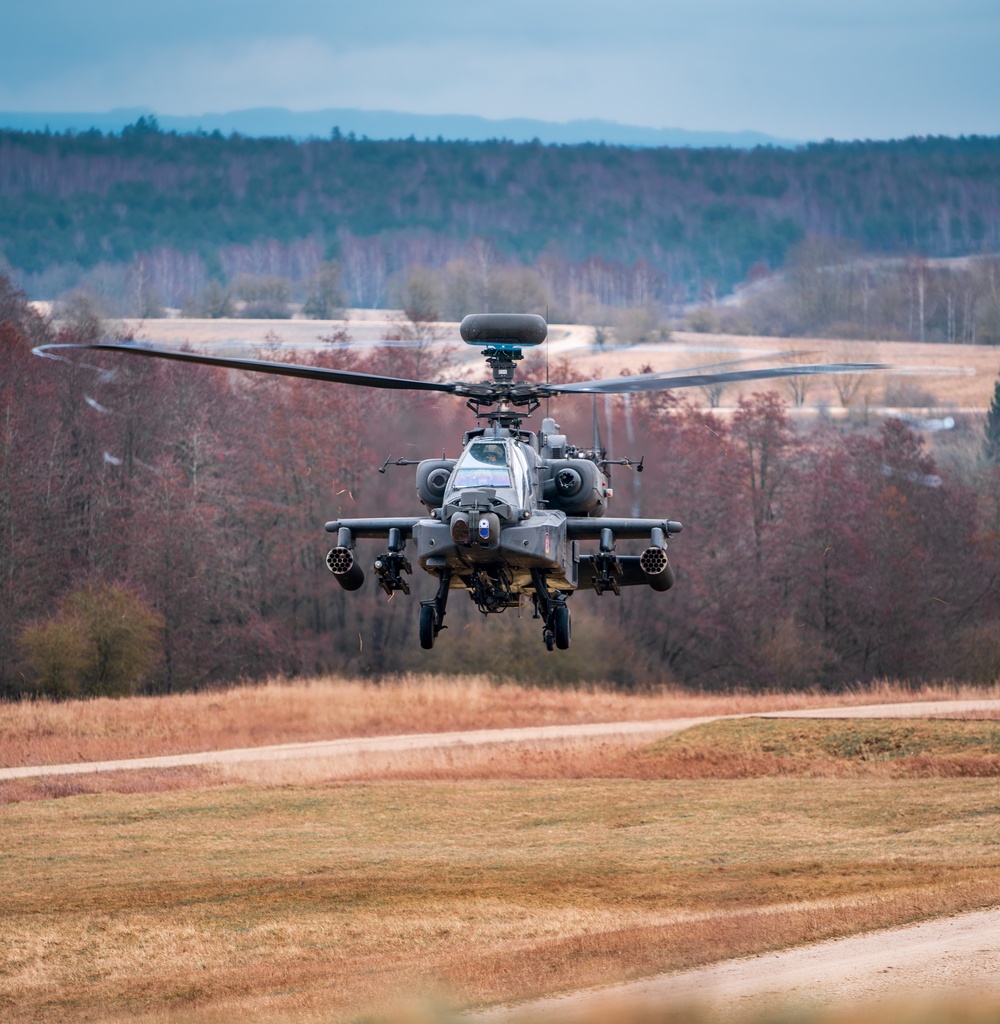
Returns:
(505, 521)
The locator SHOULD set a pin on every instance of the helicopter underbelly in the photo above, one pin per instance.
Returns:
(539, 542)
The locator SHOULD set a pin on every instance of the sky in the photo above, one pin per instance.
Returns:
(796, 69)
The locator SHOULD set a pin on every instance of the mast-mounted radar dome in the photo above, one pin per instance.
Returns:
(504, 330)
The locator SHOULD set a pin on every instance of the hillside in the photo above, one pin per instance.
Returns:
(388, 124)
(613, 224)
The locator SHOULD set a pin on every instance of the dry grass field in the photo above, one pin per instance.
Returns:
(752, 748)
(300, 902)
(317, 903)
(46, 732)
(956, 376)
(51, 732)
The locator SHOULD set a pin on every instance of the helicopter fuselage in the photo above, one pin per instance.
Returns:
(507, 522)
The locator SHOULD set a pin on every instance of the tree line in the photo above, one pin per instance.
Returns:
(162, 530)
(151, 215)
(827, 289)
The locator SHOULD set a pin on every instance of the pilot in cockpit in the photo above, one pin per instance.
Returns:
(483, 465)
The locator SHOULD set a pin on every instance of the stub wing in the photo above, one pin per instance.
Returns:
(369, 528)
(589, 528)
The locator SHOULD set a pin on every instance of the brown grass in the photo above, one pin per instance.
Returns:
(730, 749)
(315, 903)
(893, 748)
(54, 787)
(973, 391)
(46, 732)
(486, 873)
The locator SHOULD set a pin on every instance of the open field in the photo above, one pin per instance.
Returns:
(51, 732)
(842, 742)
(935, 971)
(958, 376)
(318, 712)
(319, 901)
(752, 748)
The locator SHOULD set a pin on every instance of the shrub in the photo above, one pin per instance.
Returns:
(103, 641)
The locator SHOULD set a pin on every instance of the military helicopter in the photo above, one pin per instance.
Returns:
(507, 519)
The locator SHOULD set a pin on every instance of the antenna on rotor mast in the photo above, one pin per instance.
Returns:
(546, 360)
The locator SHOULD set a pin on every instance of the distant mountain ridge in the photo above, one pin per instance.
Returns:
(389, 124)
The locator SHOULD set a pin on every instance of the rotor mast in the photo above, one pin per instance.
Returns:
(504, 334)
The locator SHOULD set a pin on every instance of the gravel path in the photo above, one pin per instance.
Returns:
(957, 953)
(544, 735)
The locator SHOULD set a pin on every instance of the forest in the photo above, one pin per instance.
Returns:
(162, 529)
(150, 219)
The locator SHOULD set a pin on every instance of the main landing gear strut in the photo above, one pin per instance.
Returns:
(432, 612)
(552, 608)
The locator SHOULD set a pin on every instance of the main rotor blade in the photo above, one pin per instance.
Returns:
(368, 380)
(485, 390)
(645, 382)
(724, 363)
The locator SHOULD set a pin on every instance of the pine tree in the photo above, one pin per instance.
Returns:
(993, 426)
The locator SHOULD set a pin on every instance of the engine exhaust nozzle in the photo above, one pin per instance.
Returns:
(340, 561)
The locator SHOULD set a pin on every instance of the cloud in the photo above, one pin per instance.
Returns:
(843, 69)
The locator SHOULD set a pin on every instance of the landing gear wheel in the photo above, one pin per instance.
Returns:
(426, 626)
(561, 626)
(549, 637)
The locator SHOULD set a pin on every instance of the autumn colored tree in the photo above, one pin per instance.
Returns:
(760, 428)
(808, 558)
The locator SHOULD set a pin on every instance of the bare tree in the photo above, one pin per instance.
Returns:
(849, 385)
(798, 387)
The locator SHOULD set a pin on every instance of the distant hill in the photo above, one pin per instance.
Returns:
(276, 122)
(624, 225)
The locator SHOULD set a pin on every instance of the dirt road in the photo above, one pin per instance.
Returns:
(544, 736)
(958, 953)
(538, 737)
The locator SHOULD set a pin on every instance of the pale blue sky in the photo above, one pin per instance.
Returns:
(804, 69)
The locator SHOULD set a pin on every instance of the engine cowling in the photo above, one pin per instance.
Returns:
(432, 479)
(576, 487)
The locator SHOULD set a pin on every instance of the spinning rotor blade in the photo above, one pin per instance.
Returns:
(649, 382)
(724, 364)
(368, 380)
(486, 391)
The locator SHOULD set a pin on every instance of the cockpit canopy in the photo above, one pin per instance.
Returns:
(492, 462)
